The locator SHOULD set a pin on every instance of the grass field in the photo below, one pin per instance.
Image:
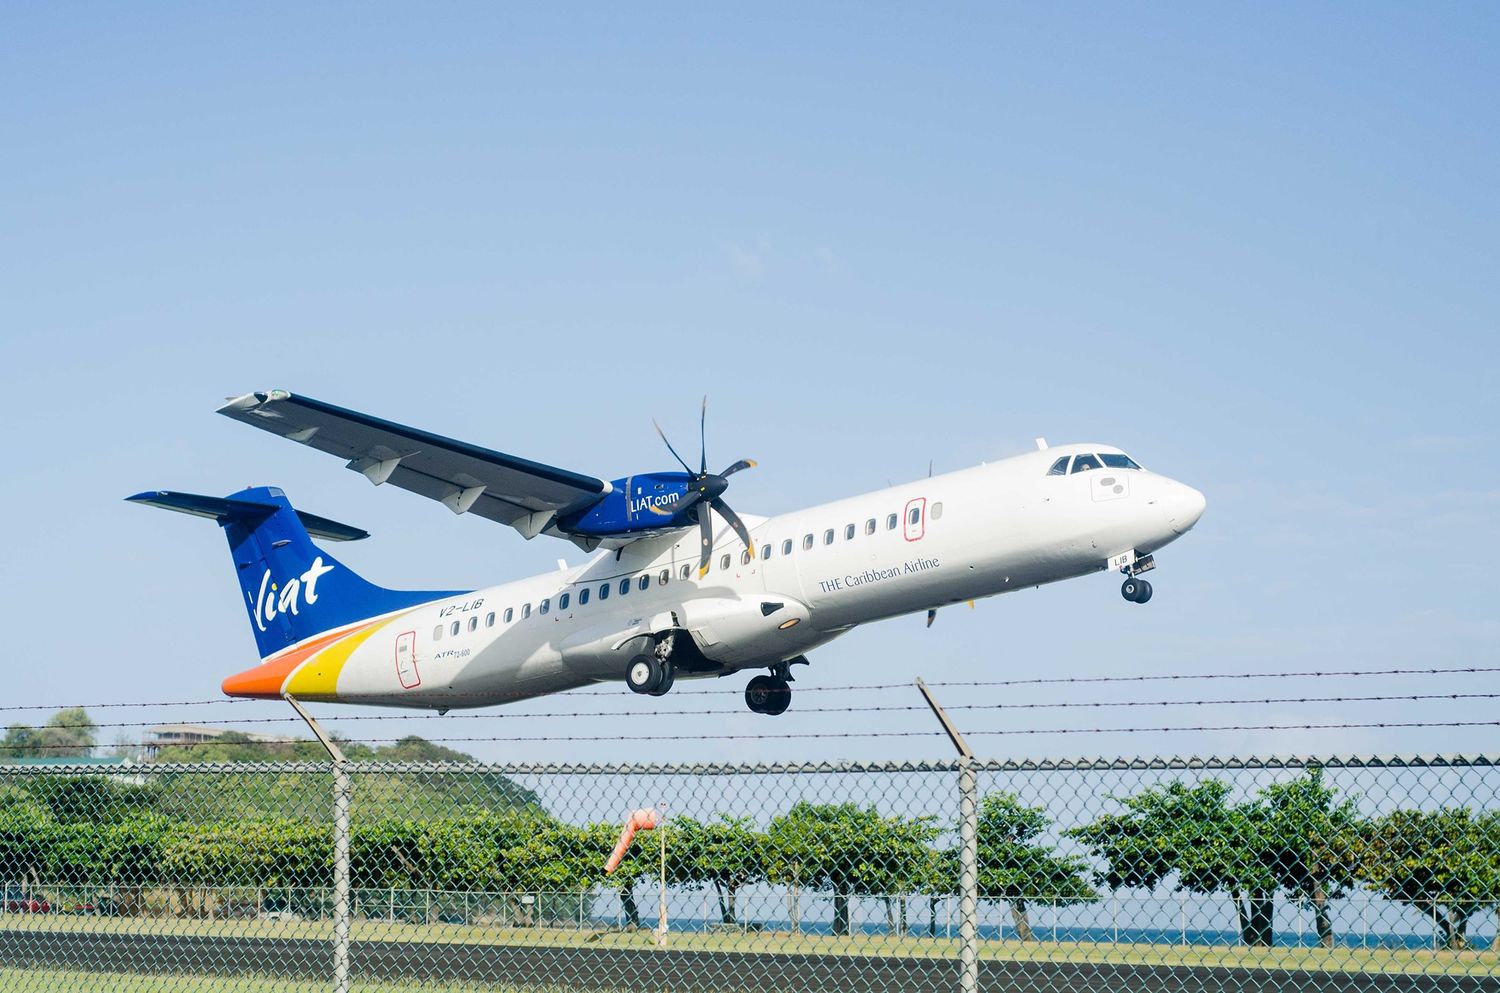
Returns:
(1403, 961)
(59, 981)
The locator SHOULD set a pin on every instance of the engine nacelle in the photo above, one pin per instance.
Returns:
(626, 508)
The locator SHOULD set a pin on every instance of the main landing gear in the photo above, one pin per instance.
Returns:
(650, 675)
(772, 694)
(1136, 590)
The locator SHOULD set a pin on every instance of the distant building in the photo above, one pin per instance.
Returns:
(170, 735)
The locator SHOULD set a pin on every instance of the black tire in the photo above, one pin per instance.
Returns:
(781, 697)
(1145, 592)
(668, 677)
(644, 673)
(759, 693)
(1131, 589)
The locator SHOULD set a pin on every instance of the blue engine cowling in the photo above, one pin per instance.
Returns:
(625, 509)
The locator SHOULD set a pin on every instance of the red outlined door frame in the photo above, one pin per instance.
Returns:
(408, 675)
(910, 531)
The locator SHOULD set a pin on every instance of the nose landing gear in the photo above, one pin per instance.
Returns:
(1136, 590)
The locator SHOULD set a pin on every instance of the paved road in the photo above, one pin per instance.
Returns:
(678, 971)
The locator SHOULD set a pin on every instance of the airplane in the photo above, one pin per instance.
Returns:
(678, 585)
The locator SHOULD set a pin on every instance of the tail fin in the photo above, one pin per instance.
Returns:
(293, 590)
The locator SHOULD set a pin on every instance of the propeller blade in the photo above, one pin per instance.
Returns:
(734, 522)
(741, 464)
(703, 438)
(931, 616)
(677, 506)
(669, 446)
(706, 537)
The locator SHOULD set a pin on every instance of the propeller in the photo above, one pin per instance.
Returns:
(705, 494)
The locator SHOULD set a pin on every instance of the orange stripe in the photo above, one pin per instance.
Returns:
(265, 680)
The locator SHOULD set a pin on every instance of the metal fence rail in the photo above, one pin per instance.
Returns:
(1327, 873)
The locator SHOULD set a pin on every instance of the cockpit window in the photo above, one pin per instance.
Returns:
(1083, 463)
(1118, 461)
(1059, 468)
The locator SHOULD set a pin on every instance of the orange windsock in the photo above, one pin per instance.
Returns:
(639, 820)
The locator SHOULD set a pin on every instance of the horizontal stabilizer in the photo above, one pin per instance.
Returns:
(221, 509)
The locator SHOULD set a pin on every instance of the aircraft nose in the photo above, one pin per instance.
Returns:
(1184, 505)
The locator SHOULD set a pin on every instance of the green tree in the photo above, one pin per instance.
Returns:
(1443, 863)
(1310, 844)
(1015, 868)
(728, 854)
(28, 837)
(850, 850)
(1196, 835)
(69, 733)
(22, 741)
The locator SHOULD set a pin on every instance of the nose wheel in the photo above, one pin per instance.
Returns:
(768, 695)
(1136, 590)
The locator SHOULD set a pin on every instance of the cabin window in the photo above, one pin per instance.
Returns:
(914, 516)
(625, 586)
(604, 591)
(583, 596)
(644, 582)
(685, 572)
(1118, 460)
(765, 552)
(546, 605)
(723, 561)
(1084, 463)
(453, 628)
(848, 532)
(828, 537)
(891, 521)
(807, 542)
(937, 510)
(745, 557)
(525, 611)
(489, 619)
(1060, 467)
(870, 526)
(474, 623)
(437, 633)
(510, 612)
(665, 575)
(562, 602)
(786, 547)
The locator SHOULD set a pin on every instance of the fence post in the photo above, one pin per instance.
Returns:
(968, 848)
(341, 791)
(968, 876)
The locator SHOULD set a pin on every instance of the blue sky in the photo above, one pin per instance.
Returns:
(1252, 244)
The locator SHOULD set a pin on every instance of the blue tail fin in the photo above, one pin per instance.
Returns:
(292, 589)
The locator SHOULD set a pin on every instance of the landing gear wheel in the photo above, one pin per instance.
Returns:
(1136, 590)
(644, 674)
(1145, 593)
(668, 677)
(768, 695)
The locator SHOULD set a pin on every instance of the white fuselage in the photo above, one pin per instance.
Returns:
(946, 539)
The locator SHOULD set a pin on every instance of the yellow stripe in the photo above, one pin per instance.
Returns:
(318, 677)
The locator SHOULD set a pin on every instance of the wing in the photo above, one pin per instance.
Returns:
(466, 478)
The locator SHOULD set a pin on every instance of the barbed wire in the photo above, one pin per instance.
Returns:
(855, 687)
(1350, 725)
(878, 708)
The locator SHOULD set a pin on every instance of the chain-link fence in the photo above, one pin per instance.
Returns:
(1240, 874)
